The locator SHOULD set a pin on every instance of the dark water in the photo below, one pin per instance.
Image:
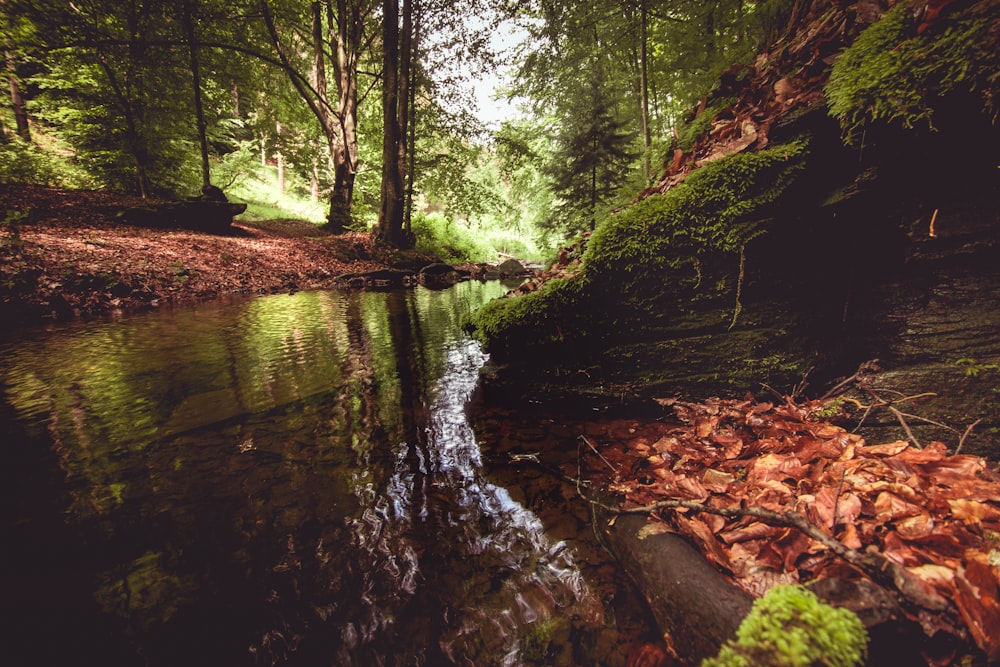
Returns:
(285, 480)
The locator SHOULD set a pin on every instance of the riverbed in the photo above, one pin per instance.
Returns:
(290, 479)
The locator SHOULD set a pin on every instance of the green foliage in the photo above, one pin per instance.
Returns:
(44, 162)
(710, 211)
(11, 224)
(892, 73)
(449, 240)
(973, 367)
(244, 179)
(593, 152)
(791, 627)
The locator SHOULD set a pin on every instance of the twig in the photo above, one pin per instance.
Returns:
(772, 390)
(800, 388)
(738, 308)
(594, 449)
(906, 427)
(968, 431)
(929, 421)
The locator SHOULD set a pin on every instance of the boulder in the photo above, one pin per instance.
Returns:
(512, 268)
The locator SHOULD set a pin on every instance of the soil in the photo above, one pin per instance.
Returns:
(68, 254)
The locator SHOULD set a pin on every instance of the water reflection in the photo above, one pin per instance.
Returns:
(288, 480)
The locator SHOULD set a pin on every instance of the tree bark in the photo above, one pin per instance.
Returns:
(389, 231)
(411, 135)
(644, 90)
(280, 160)
(17, 99)
(199, 110)
(346, 35)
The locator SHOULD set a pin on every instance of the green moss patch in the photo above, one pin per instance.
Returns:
(791, 627)
(894, 73)
(649, 264)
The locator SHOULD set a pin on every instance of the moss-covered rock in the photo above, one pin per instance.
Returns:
(898, 70)
(666, 268)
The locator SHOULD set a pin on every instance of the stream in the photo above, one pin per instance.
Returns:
(284, 480)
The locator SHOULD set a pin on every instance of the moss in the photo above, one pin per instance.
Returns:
(791, 627)
(710, 211)
(893, 73)
(541, 317)
(638, 258)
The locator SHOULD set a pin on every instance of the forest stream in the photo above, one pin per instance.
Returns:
(289, 479)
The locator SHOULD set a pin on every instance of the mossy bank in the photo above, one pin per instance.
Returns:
(801, 254)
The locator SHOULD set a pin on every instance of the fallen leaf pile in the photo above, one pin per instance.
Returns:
(933, 518)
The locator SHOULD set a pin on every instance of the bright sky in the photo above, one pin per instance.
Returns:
(494, 111)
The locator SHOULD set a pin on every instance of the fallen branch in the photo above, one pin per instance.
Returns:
(873, 565)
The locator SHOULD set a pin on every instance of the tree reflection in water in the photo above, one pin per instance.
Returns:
(287, 480)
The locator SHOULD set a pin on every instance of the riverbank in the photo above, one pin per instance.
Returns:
(772, 492)
(67, 254)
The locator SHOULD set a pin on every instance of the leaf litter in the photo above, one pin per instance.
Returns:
(726, 467)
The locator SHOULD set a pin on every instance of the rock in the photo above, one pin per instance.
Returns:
(378, 278)
(440, 275)
(512, 268)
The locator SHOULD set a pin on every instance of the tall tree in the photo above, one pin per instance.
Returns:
(592, 157)
(340, 28)
(16, 98)
(188, 21)
(396, 67)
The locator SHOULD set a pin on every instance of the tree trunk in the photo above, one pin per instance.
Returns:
(338, 124)
(199, 111)
(314, 184)
(16, 99)
(389, 231)
(280, 160)
(411, 135)
(135, 144)
(346, 32)
(644, 91)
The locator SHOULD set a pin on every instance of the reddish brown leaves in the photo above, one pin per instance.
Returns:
(78, 258)
(937, 516)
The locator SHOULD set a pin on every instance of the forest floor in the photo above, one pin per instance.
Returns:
(66, 254)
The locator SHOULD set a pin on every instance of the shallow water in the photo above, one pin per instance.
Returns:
(284, 480)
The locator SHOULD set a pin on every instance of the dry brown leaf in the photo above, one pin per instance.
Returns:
(915, 527)
(890, 506)
(973, 512)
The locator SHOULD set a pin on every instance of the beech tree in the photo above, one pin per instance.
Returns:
(340, 32)
(396, 68)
